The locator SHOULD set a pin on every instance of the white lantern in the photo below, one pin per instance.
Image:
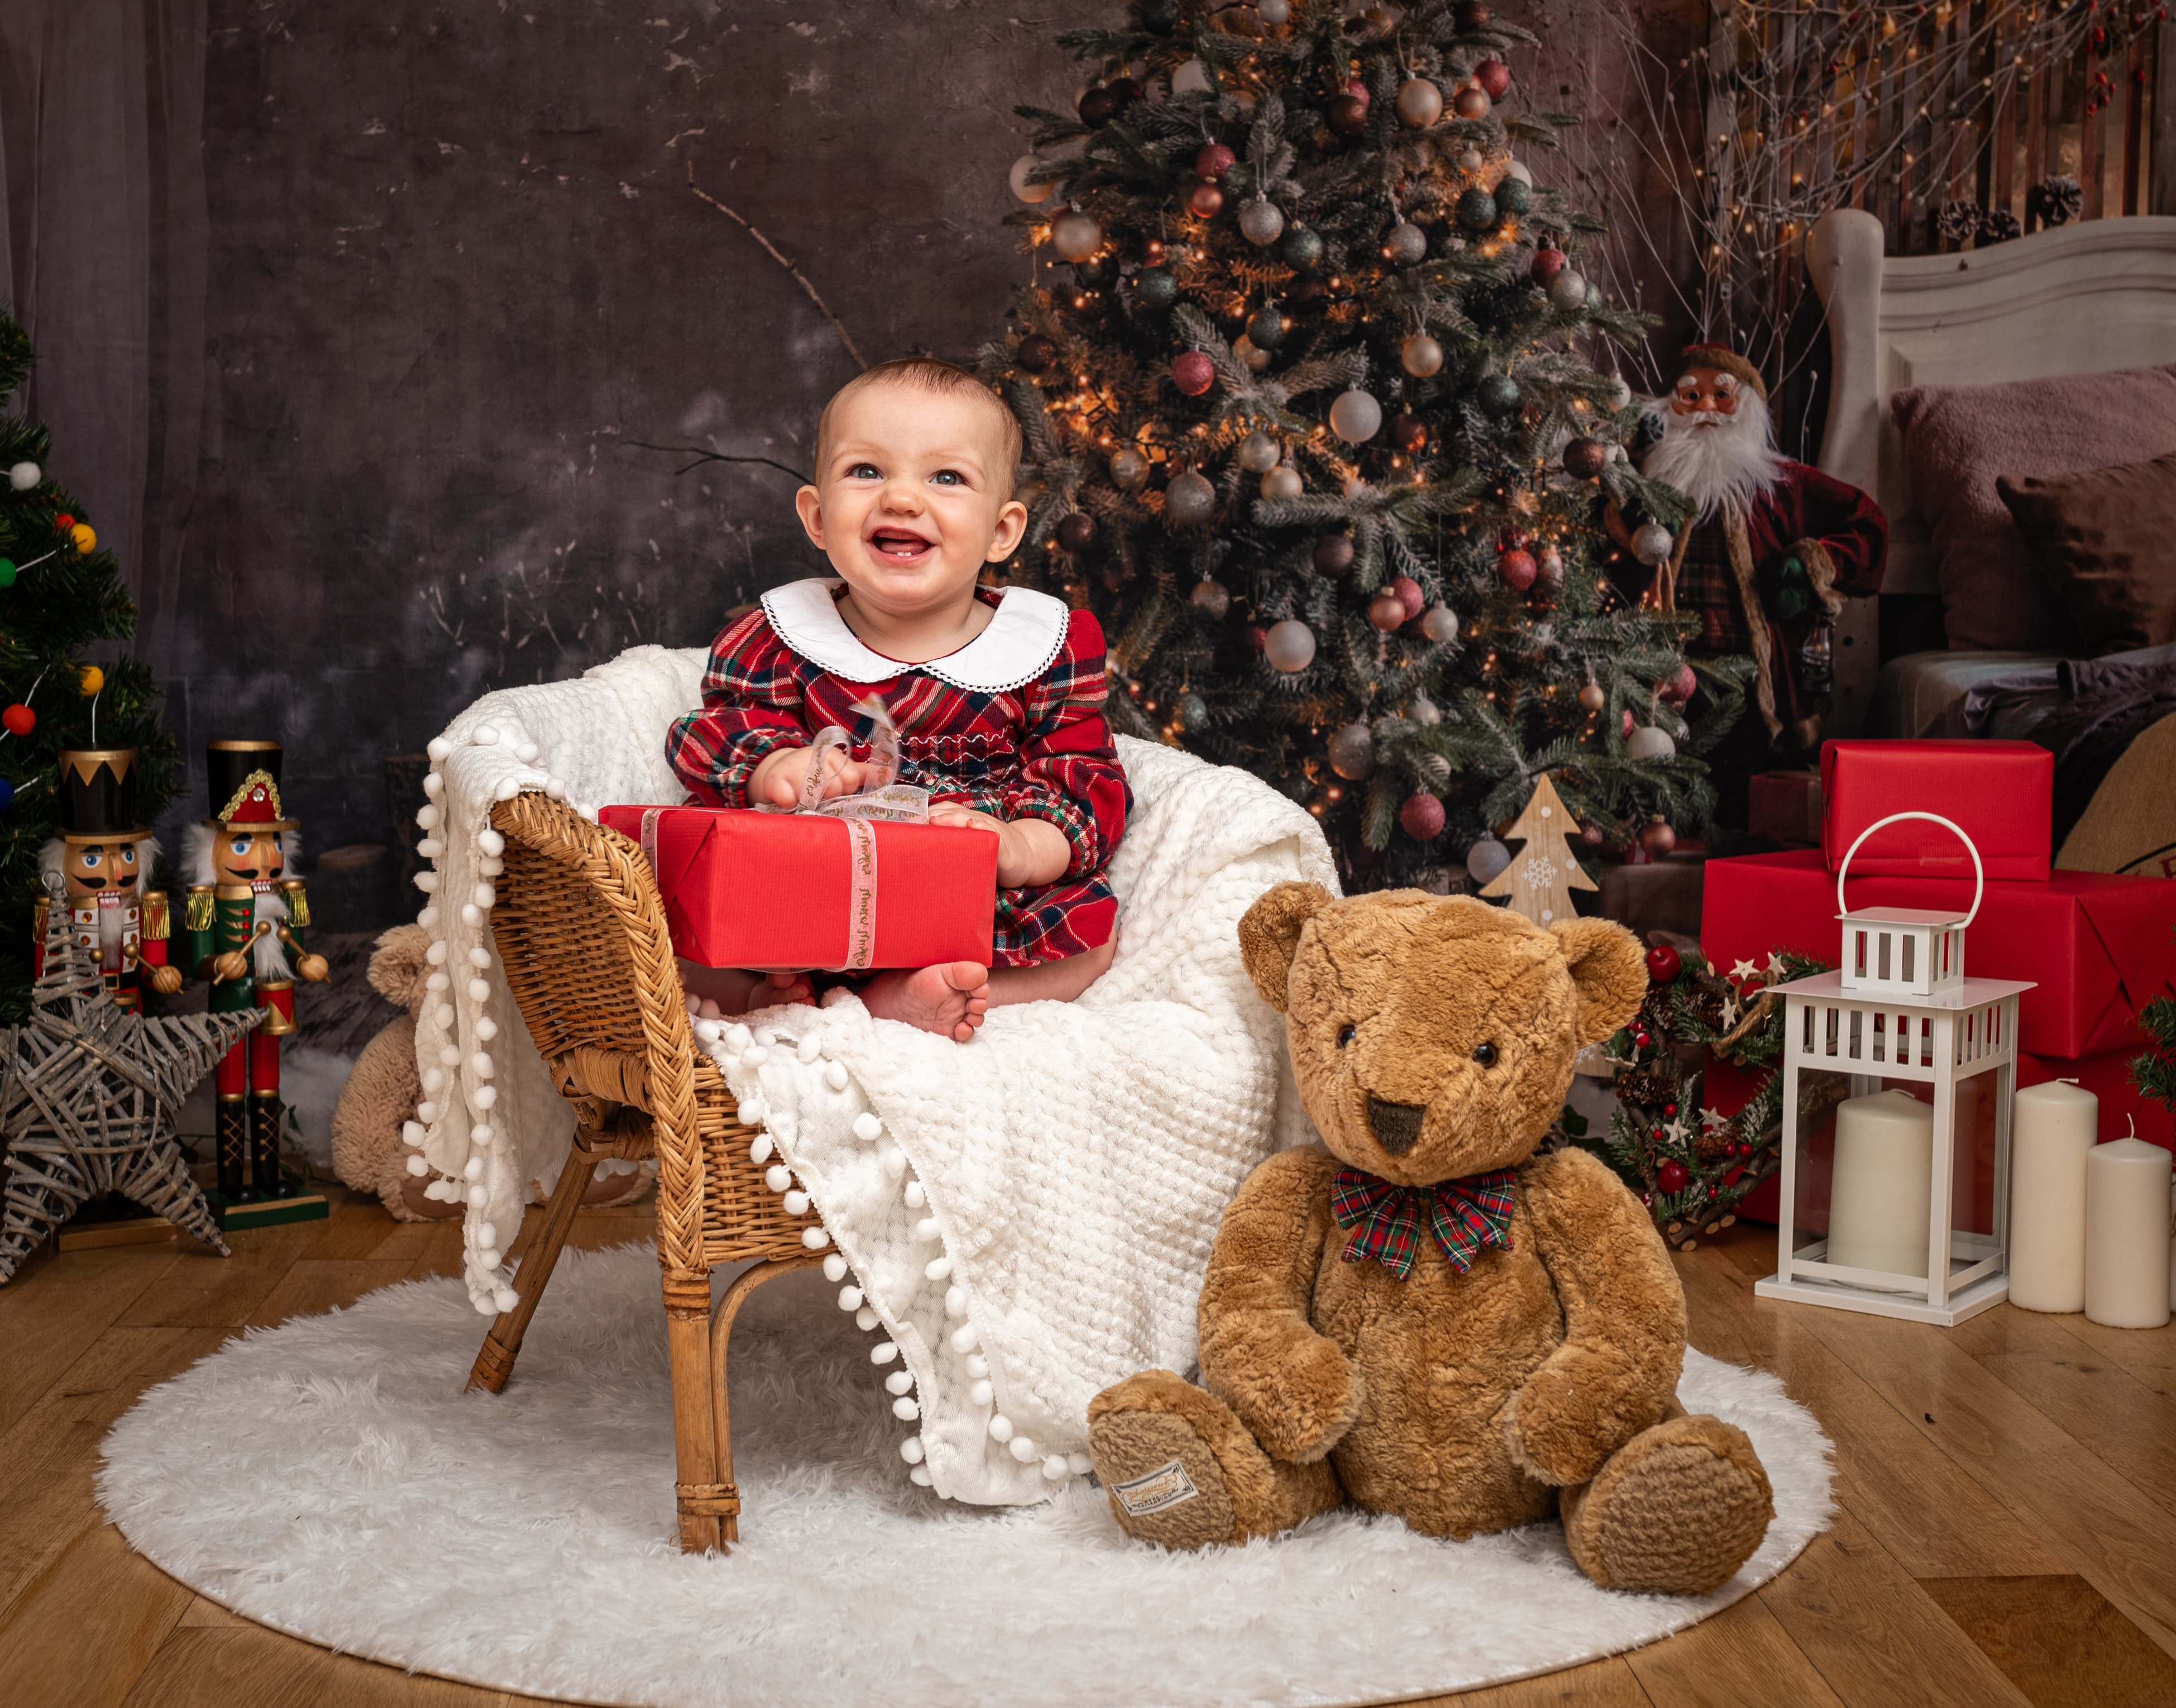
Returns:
(1899, 1016)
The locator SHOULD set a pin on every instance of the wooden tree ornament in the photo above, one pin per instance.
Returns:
(88, 1094)
(1543, 873)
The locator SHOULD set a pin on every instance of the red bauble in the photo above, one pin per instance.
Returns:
(1386, 611)
(1627, 723)
(1658, 838)
(1494, 76)
(1095, 106)
(1124, 91)
(1358, 91)
(1472, 15)
(1672, 1178)
(1037, 354)
(1409, 595)
(19, 719)
(1681, 687)
(1421, 818)
(1547, 264)
(1348, 114)
(1408, 432)
(1205, 201)
(1077, 532)
(1214, 161)
(1333, 554)
(1192, 372)
(63, 522)
(1518, 569)
(1585, 457)
(1663, 964)
(1258, 638)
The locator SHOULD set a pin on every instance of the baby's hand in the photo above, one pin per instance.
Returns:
(779, 779)
(1030, 850)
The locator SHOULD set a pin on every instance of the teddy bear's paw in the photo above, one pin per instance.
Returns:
(1161, 1476)
(1677, 1510)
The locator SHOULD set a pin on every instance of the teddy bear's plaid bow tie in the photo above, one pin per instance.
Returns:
(1467, 1216)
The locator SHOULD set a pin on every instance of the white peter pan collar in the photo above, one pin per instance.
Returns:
(1025, 634)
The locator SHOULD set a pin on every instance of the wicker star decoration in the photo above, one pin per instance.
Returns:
(89, 1096)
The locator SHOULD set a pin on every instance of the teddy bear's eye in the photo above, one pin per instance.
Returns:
(1346, 1036)
(1486, 1055)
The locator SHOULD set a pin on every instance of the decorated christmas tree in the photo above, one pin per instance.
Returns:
(1306, 373)
(60, 595)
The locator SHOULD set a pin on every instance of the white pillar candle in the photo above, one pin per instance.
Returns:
(2051, 1133)
(2127, 1199)
(1883, 1185)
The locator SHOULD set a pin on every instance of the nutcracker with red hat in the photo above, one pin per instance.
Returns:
(244, 934)
(1773, 549)
(99, 868)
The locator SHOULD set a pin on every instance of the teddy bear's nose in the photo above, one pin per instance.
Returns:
(1396, 1126)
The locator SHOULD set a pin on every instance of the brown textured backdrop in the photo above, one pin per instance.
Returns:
(461, 282)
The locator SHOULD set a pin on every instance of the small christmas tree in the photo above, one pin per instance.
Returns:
(1540, 879)
(2154, 1073)
(60, 594)
(1314, 429)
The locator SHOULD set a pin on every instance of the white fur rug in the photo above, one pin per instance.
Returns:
(325, 1477)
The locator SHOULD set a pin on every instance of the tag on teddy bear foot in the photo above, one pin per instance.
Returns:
(1155, 1491)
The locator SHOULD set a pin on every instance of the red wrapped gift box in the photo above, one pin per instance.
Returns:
(2098, 947)
(790, 890)
(2001, 793)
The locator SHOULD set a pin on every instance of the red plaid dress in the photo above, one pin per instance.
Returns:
(1011, 724)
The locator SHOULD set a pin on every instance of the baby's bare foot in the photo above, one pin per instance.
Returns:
(950, 1000)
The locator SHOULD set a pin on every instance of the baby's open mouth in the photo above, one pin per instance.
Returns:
(897, 542)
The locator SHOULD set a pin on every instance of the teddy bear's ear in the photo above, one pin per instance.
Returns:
(397, 966)
(1268, 935)
(1609, 971)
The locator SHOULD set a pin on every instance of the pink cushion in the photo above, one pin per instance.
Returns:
(1957, 438)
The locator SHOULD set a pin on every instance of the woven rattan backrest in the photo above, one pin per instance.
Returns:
(581, 935)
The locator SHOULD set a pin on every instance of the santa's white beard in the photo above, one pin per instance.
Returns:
(1717, 460)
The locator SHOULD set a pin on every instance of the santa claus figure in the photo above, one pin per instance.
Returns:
(1771, 552)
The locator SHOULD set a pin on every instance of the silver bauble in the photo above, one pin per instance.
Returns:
(1647, 742)
(1593, 294)
(1075, 236)
(1424, 710)
(1021, 187)
(1355, 417)
(1420, 103)
(1189, 500)
(1352, 751)
(1259, 453)
(1406, 244)
(1421, 355)
(1620, 393)
(1130, 469)
(1568, 290)
(1274, 13)
(1261, 221)
(1617, 454)
(1356, 487)
(1652, 543)
(1290, 647)
(1440, 624)
(1471, 158)
(1252, 354)
(1282, 483)
(1211, 597)
(1552, 566)
(1189, 78)
(1486, 859)
(1517, 169)
(25, 475)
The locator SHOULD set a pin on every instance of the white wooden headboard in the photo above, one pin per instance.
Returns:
(2081, 298)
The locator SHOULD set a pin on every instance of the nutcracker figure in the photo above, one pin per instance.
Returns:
(99, 868)
(244, 935)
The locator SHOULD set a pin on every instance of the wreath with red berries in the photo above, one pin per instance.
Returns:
(1691, 1167)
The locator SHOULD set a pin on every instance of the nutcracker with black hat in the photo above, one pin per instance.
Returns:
(244, 935)
(99, 868)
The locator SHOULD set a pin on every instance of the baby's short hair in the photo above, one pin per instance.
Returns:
(928, 373)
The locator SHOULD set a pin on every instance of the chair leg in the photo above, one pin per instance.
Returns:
(702, 1498)
(494, 1362)
(722, 1334)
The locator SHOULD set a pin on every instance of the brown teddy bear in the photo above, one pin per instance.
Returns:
(382, 1091)
(1420, 1314)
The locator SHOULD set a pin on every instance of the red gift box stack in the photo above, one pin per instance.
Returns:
(803, 890)
(2097, 947)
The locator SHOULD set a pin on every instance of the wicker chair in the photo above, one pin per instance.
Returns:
(581, 934)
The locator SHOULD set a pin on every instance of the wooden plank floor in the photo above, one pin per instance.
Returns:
(2007, 1537)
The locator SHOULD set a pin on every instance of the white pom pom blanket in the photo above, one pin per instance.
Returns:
(1019, 1221)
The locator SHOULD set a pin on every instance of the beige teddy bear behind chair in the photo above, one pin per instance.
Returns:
(381, 1096)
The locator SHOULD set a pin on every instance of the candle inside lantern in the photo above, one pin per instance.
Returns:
(1883, 1186)
(2052, 1134)
(2127, 1203)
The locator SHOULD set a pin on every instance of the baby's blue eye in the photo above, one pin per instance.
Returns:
(950, 476)
(859, 470)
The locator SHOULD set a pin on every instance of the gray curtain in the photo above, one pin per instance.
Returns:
(102, 258)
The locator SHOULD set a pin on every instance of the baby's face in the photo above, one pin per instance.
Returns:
(907, 505)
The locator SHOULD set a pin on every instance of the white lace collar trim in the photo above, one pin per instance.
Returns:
(1027, 633)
